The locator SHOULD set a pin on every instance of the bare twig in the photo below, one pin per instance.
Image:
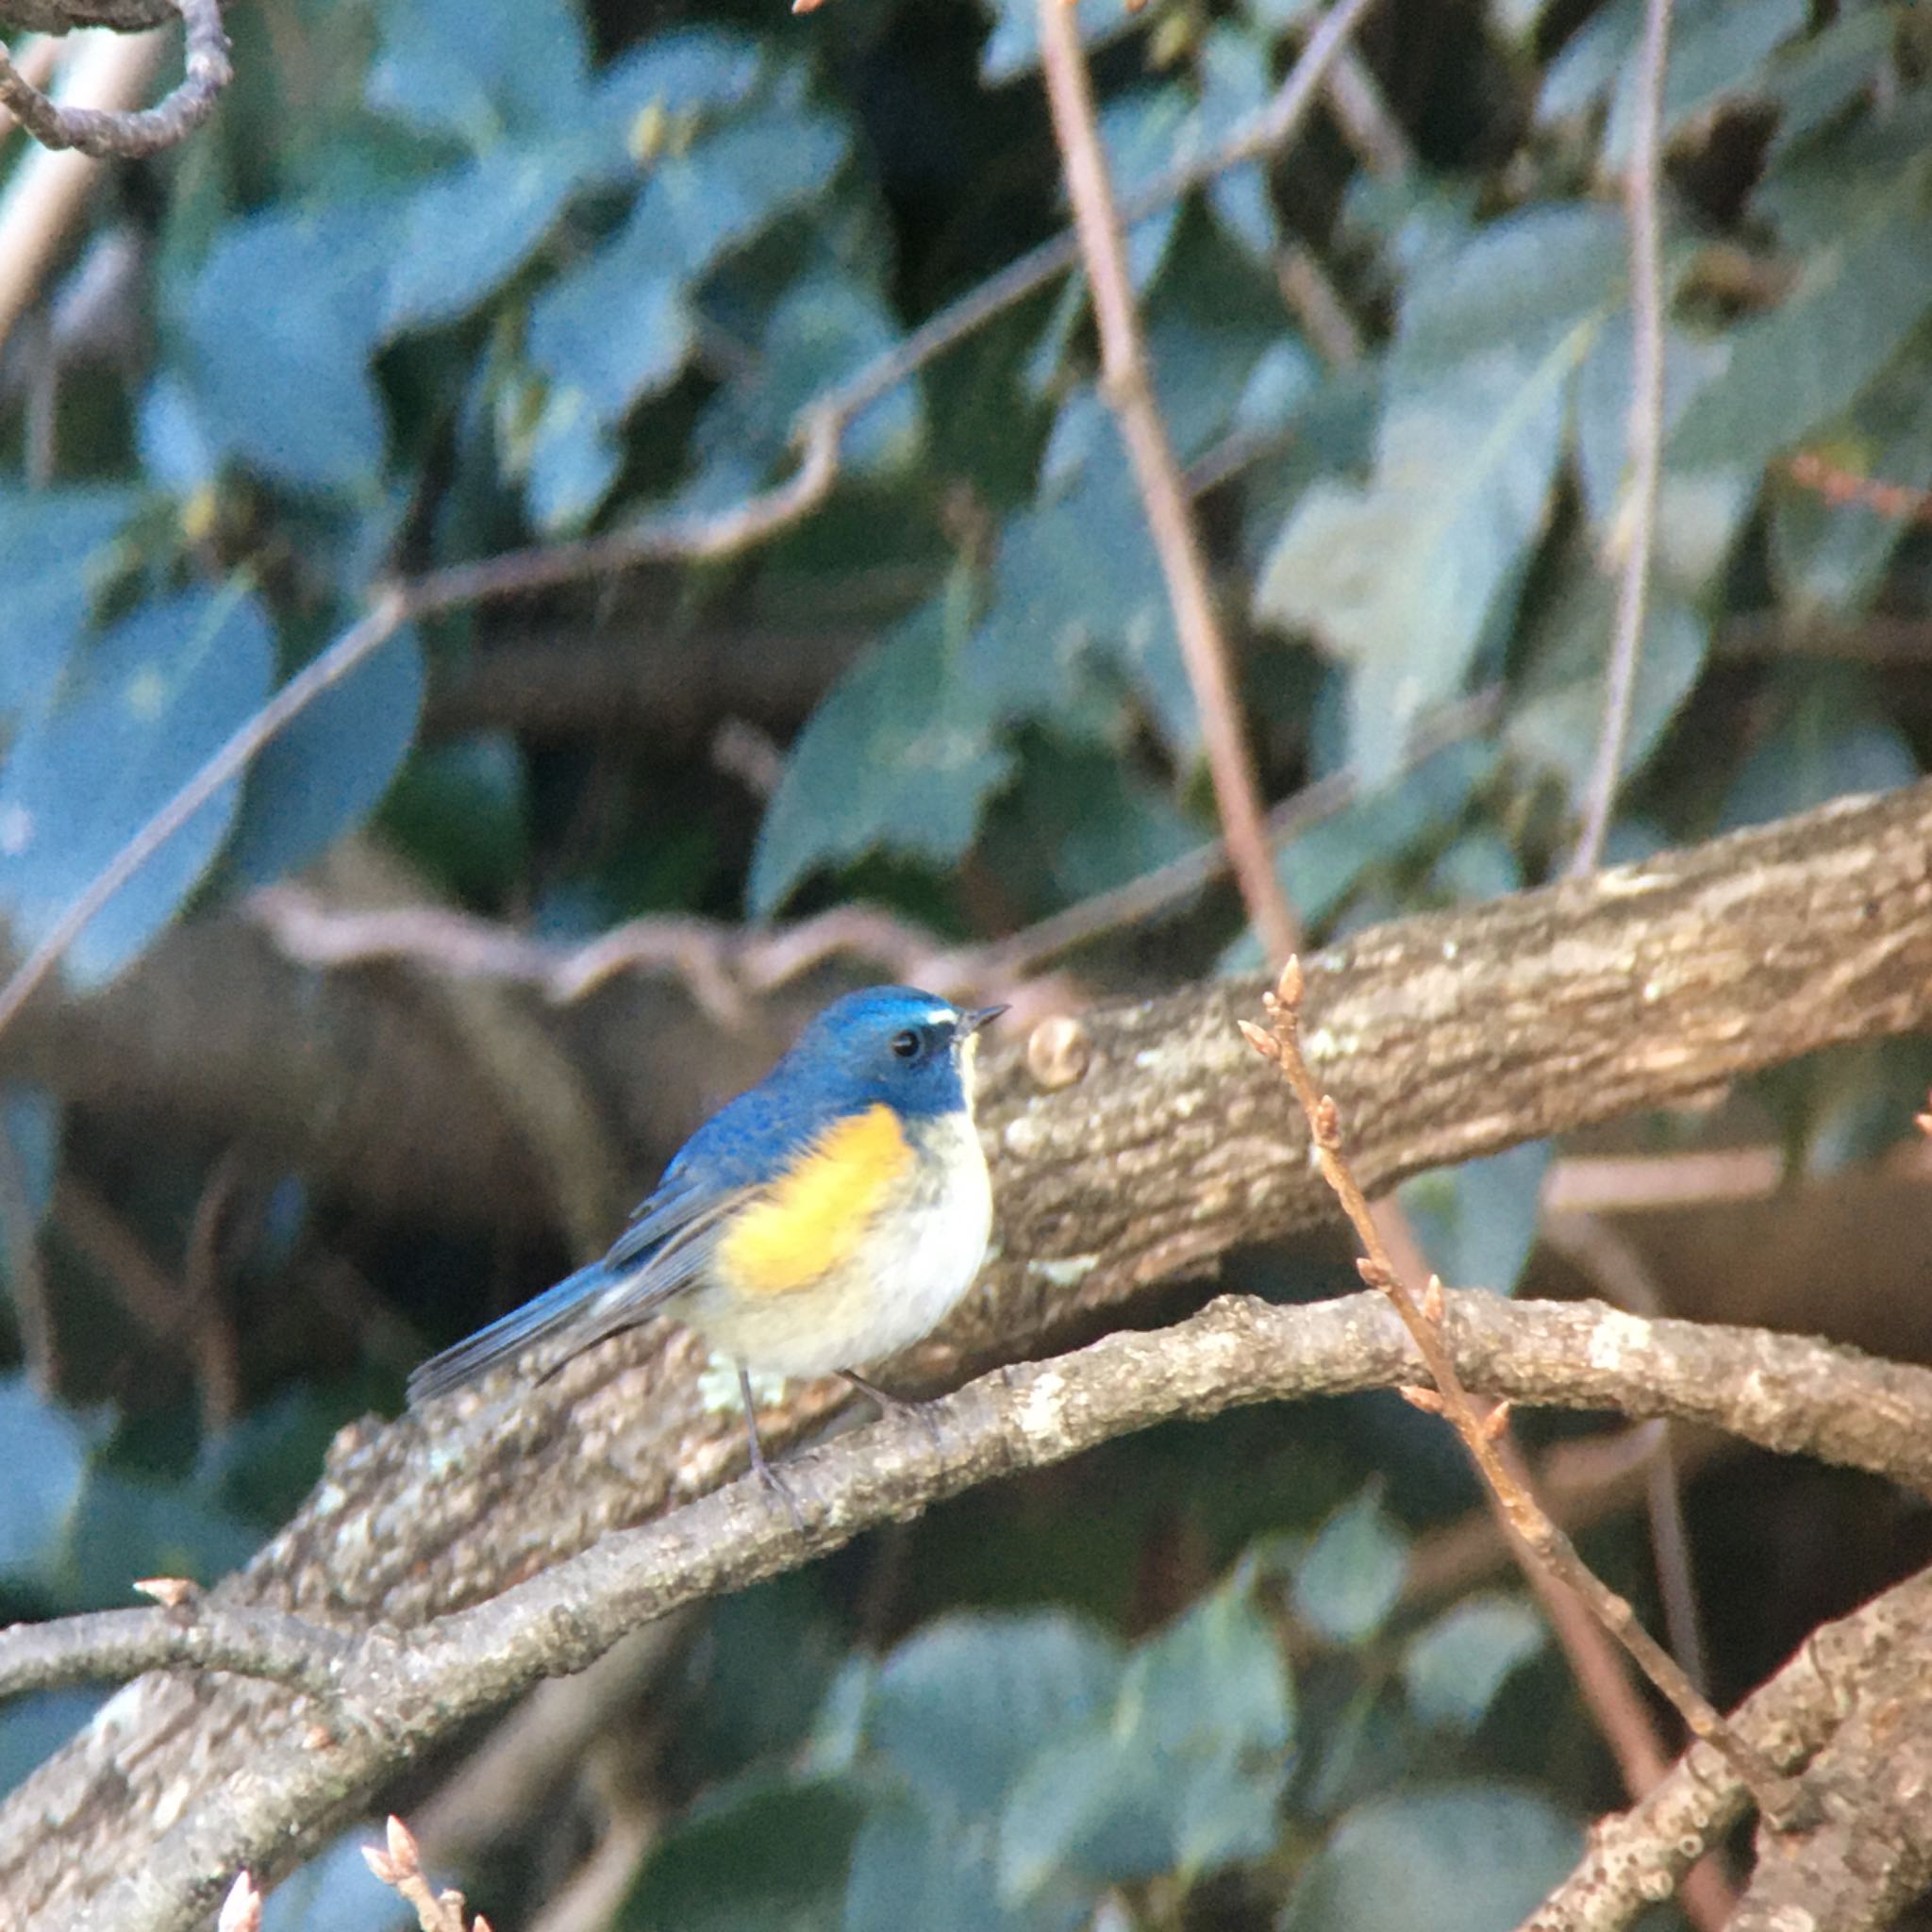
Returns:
(26, 1280)
(1617, 1270)
(1130, 391)
(724, 966)
(121, 134)
(1356, 97)
(1897, 502)
(1637, 517)
(1480, 1432)
(47, 191)
(398, 1864)
(198, 1633)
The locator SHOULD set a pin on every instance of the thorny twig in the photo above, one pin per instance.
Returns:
(1776, 1796)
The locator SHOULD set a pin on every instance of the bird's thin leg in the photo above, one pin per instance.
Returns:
(766, 1474)
(894, 1405)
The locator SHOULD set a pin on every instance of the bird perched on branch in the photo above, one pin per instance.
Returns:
(833, 1214)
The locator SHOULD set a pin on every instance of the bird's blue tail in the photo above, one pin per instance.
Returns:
(572, 1304)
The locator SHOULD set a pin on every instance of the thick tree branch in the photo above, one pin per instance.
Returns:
(1863, 1665)
(1147, 1147)
(400, 1694)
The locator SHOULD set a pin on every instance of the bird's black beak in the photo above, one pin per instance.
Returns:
(971, 1022)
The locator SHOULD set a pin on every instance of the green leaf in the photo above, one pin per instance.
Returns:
(1858, 299)
(157, 695)
(616, 327)
(462, 811)
(55, 545)
(1832, 740)
(1558, 717)
(478, 74)
(281, 326)
(46, 1450)
(1453, 1670)
(329, 770)
(760, 1857)
(1013, 46)
(959, 1709)
(914, 1865)
(822, 331)
(1076, 590)
(900, 756)
(1183, 1775)
(1718, 51)
(1321, 866)
(1404, 579)
(1477, 1221)
(570, 461)
(681, 69)
(1351, 1576)
(459, 238)
(30, 1119)
(1700, 512)
(1455, 1858)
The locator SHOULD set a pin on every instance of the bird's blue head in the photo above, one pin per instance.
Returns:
(909, 1049)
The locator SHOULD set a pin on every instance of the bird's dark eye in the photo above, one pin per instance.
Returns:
(906, 1044)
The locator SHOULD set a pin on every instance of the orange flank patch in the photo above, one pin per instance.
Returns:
(813, 1221)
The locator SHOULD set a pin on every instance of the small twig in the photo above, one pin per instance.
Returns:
(1616, 1270)
(212, 1335)
(1897, 502)
(399, 1863)
(26, 1280)
(121, 134)
(1776, 1796)
(1354, 96)
(684, 537)
(724, 966)
(191, 1632)
(46, 190)
(1130, 391)
(1637, 517)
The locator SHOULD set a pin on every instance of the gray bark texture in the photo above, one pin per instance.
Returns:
(1148, 1142)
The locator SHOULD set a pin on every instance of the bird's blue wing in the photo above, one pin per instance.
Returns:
(667, 1244)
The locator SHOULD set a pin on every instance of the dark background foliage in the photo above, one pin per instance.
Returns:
(445, 278)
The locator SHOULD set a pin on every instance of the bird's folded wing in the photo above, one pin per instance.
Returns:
(665, 1247)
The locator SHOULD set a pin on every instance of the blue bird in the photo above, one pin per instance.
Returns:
(833, 1214)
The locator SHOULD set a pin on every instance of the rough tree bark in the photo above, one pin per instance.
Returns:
(1146, 1145)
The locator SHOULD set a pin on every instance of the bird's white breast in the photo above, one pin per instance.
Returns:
(917, 1259)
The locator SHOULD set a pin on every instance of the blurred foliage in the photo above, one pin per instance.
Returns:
(449, 277)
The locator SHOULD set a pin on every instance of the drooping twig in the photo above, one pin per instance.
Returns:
(1637, 517)
(128, 133)
(1423, 1317)
(1127, 385)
